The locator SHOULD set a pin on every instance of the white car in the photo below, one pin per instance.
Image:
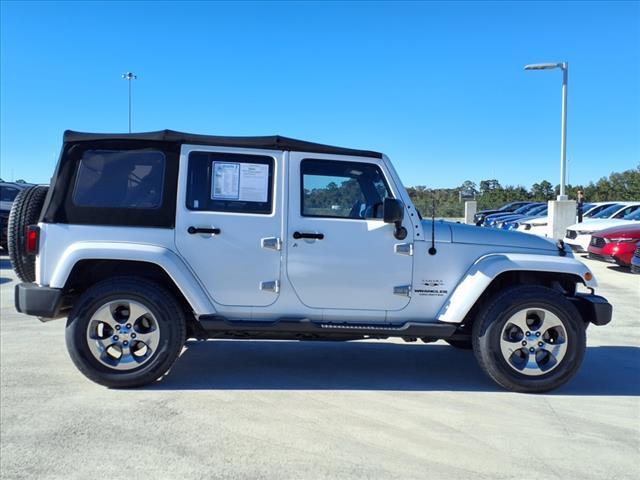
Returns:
(540, 225)
(578, 236)
(145, 240)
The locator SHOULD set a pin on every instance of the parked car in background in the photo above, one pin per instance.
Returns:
(479, 217)
(505, 222)
(578, 236)
(635, 260)
(540, 225)
(8, 192)
(616, 244)
(493, 219)
(514, 223)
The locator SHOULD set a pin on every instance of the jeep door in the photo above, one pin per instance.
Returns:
(340, 253)
(229, 222)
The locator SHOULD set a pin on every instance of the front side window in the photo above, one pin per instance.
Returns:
(120, 179)
(224, 182)
(342, 189)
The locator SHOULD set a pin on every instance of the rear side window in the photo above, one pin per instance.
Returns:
(120, 179)
(225, 182)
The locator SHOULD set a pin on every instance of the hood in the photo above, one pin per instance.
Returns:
(596, 224)
(461, 233)
(621, 231)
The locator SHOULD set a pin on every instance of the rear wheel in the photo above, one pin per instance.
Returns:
(25, 211)
(125, 332)
(529, 339)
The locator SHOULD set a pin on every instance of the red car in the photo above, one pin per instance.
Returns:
(616, 244)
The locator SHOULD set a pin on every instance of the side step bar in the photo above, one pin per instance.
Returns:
(305, 329)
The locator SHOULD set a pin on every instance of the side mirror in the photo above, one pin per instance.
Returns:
(393, 212)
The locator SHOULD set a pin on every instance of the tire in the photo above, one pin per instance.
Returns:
(130, 370)
(531, 368)
(25, 211)
(461, 344)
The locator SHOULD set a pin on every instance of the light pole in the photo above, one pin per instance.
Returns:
(563, 139)
(129, 77)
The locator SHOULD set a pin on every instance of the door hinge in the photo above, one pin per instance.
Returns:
(274, 243)
(272, 286)
(402, 290)
(404, 248)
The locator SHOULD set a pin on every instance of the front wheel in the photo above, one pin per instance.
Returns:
(125, 332)
(529, 339)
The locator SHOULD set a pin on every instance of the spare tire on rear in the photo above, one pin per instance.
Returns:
(25, 211)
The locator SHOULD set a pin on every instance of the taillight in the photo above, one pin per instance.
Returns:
(32, 239)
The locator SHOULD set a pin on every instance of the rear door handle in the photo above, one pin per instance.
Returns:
(314, 236)
(212, 231)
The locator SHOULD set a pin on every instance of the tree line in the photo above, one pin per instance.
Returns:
(491, 194)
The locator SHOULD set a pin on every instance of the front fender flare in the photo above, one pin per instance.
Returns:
(488, 267)
(171, 263)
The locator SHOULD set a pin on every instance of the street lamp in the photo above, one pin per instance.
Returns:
(129, 77)
(563, 139)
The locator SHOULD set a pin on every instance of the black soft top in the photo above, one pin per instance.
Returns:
(273, 142)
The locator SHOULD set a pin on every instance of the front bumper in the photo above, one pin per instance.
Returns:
(593, 308)
(43, 302)
(580, 244)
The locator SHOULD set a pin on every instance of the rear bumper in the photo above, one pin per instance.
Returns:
(594, 308)
(44, 302)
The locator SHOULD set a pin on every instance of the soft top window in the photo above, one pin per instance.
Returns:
(120, 179)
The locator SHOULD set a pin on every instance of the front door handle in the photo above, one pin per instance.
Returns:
(314, 236)
(212, 231)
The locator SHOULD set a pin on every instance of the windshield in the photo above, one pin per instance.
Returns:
(632, 213)
(510, 207)
(523, 209)
(595, 209)
(538, 209)
(633, 216)
(607, 212)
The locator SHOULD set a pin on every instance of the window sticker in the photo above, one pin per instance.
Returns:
(225, 181)
(254, 182)
(247, 182)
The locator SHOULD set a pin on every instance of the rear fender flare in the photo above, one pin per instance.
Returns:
(171, 263)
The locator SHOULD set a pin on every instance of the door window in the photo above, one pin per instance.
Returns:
(222, 182)
(342, 189)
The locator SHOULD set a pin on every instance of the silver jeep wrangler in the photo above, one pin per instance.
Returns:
(145, 240)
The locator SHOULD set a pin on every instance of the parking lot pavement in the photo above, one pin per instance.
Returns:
(258, 409)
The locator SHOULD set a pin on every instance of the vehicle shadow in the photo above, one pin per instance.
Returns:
(618, 268)
(265, 365)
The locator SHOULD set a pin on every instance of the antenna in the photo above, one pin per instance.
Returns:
(432, 250)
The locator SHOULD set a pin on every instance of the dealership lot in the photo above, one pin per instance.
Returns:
(258, 409)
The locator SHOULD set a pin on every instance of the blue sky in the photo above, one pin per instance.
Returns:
(439, 87)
